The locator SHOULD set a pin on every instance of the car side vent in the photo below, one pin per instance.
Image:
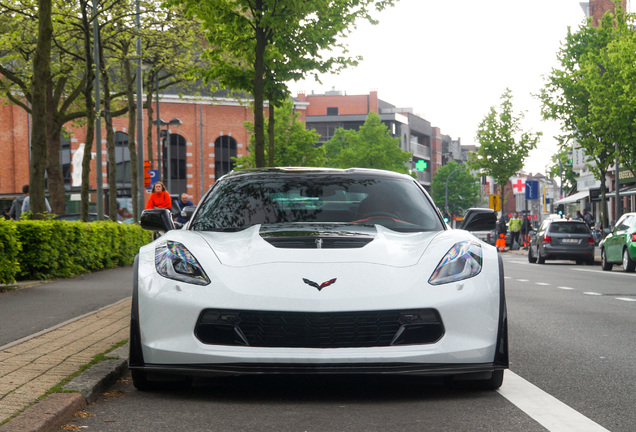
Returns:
(318, 242)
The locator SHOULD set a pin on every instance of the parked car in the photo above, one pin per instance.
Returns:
(619, 246)
(314, 271)
(561, 239)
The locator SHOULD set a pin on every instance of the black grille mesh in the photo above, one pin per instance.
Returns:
(319, 330)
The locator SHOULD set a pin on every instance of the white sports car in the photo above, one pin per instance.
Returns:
(303, 270)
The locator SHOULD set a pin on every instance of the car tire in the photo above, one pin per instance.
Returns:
(605, 265)
(628, 265)
(540, 259)
(531, 259)
(578, 261)
(590, 261)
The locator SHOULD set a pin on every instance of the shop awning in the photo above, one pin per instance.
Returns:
(572, 198)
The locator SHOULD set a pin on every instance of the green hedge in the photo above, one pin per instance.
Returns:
(52, 249)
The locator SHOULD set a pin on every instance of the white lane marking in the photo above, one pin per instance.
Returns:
(622, 273)
(522, 280)
(626, 299)
(545, 409)
(565, 288)
(592, 293)
(542, 283)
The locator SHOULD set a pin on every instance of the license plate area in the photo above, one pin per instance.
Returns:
(570, 241)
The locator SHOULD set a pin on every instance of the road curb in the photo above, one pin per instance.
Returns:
(57, 409)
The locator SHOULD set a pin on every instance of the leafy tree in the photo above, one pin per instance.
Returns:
(295, 144)
(561, 167)
(257, 46)
(503, 146)
(590, 93)
(370, 147)
(462, 187)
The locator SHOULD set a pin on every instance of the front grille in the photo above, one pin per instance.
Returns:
(319, 330)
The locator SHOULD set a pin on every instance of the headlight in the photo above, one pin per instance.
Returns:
(174, 261)
(462, 261)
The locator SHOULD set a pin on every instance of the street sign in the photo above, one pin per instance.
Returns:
(532, 189)
(421, 165)
(518, 185)
(154, 176)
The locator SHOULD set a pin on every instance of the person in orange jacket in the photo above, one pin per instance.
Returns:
(159, 198)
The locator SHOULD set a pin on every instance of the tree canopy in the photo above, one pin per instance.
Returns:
(295, 145)
(257, 46)
(593, 94)
(503, 146)
(462, 186)
(372, 146)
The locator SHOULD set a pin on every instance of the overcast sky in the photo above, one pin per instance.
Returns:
(450, 60)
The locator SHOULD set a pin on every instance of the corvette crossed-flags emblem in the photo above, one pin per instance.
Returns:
(321, 286)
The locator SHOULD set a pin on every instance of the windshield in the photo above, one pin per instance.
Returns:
(238, 202)
(569, 228)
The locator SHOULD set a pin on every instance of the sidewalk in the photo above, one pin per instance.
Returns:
(30, 368)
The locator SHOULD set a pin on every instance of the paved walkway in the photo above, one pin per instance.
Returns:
(30, 368)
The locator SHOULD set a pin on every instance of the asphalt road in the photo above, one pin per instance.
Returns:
(573, 362)
(33, 309)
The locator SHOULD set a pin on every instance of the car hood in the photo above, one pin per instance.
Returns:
(318, 244)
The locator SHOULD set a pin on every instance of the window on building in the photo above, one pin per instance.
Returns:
(224, 150)
(332, 110)
(178, 169)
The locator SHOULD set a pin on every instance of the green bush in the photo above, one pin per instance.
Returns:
(53, 249)
(9, 251)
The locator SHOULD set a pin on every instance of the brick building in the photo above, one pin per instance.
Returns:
(430, 148)
(210, 132)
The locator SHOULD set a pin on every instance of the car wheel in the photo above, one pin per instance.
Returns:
(531, 259)
(540, 259)
(604, 264)
(628, 264)
(590, 261)
(578, 261)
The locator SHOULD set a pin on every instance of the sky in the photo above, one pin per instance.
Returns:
(451, 60)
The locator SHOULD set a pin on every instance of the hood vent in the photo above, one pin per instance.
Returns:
(318, 242)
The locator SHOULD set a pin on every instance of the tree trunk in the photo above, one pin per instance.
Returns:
(270, 132)
(54, 175)
(41, 85)
(132, 126)
(110, 140)
(259, 70)
(149, 126)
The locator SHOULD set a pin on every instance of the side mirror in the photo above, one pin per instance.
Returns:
(188, 211)
(156, 220)
(479, 219)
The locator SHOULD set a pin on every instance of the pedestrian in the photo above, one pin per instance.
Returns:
(159, 198)
(587, 217)
(26, 204)
(526, 227)
(502, 230)
(183, 203)
(5, 213)
(578, 216)
(16, 205)
(515, 229)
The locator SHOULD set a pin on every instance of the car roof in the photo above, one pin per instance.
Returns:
(282, 171)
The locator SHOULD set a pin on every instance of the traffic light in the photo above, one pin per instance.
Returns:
(560, 209)
(570, 160)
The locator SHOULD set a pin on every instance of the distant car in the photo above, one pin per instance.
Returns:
(619, 246)
(317, 271)
(560, 239)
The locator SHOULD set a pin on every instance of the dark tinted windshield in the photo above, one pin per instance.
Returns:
(238, 202)
(568, 228)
